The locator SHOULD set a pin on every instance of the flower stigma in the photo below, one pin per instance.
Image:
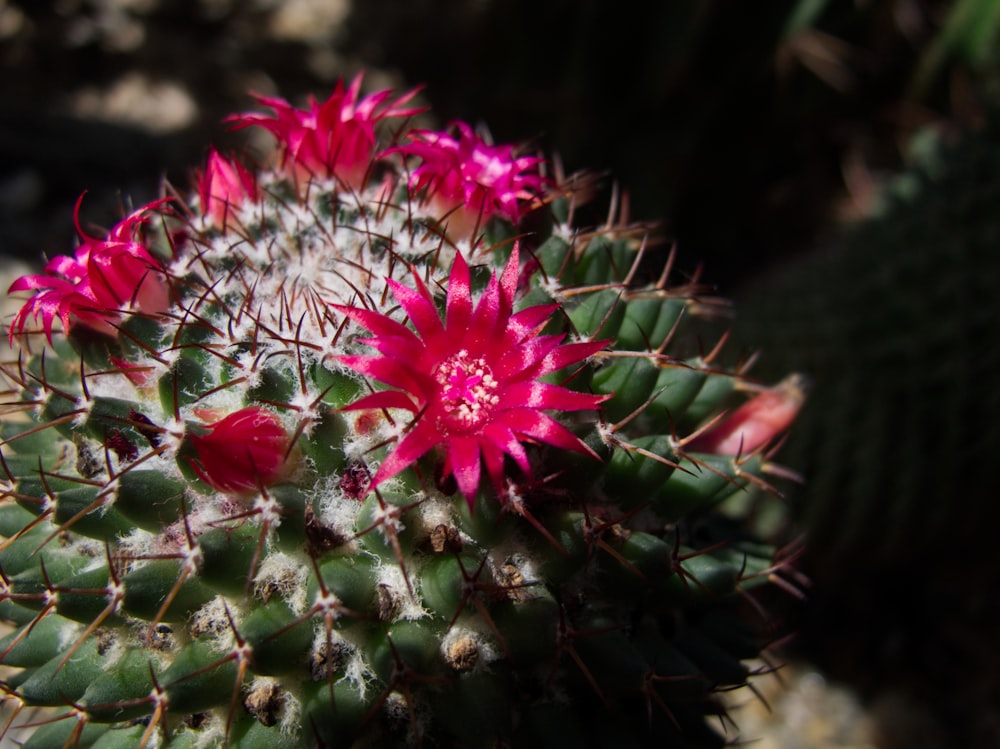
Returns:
(468, 392)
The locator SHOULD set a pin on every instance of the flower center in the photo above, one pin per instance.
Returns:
(468, 392)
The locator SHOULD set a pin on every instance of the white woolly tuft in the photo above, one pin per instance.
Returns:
(474, 628)
(170, 438)
(356, 670)
(136, 545)
(211, 734)
(290, 712)
(336, 510)
(211, 621)
(391, 576)
(435, 511)
(285, 575)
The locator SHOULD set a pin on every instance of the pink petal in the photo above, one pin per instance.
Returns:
(405, 352)
(511, 272)
(459, 305)
(388, 371)
(353, 91)
(419, 307)
(500, 436)
(377, 323)
(493, 457)
(544, 396)
(223, 187)
(463, 458)
(114, 277)
(421, 438)
(543, 428)
(35, 281)
(382, 399)
(527, 322)
(527, 359)
(571, 353)
(72, 268)
(488, 320)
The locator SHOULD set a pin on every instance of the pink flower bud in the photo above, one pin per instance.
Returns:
(242, 452)
(223, 188)
(754, 424)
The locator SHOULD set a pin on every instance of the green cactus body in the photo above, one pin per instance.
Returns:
(232, 519)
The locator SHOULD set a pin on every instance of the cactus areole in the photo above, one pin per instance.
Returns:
(374, 446)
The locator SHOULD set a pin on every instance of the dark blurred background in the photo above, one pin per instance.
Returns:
(833, 163)
(749, 128)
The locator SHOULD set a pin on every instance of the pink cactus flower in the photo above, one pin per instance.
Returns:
(242, 452)
(332, 139)
(103, 279)
(468, 180)
(473, 381)
(223, 188)
(756, 423)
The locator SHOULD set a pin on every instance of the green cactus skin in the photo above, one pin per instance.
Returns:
(604, 600)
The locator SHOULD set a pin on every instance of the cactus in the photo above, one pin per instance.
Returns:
(373, 446)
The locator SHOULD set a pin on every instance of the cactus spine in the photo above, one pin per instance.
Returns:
(375, 447)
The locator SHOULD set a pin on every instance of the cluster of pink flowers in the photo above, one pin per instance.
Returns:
(103, 279)
(466, 180)
(472, 381)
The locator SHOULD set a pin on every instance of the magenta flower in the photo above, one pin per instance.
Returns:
(104, 278)
(241, 452)
(470, 181)
(473, 381)
(332, 139)
(224, 187)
